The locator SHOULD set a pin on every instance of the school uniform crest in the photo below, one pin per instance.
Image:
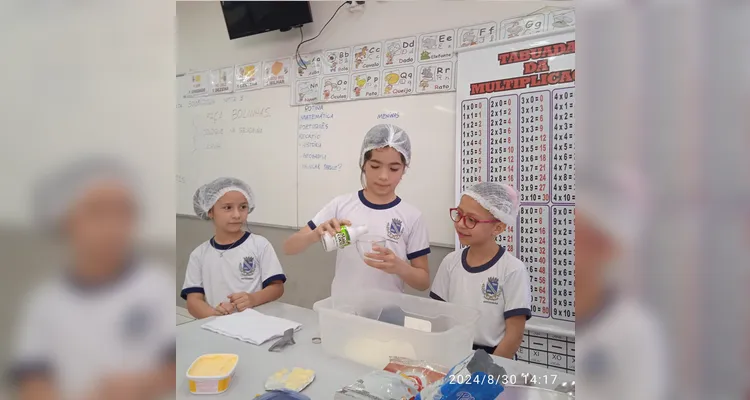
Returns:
(395, 228)
(491, 289)
(137, 322)
(247, 267)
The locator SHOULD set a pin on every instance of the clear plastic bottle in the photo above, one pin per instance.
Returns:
(346, 236)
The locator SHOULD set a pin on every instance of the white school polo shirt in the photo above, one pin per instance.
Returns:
(79, 334)
(218, 270)
(619, 345)
(398, 222)
(499, 289)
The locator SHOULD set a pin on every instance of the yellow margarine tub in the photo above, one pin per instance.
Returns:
(211, 373)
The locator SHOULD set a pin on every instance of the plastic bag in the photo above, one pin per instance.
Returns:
(378, 385)
(282, 394)
(420, 372)
(297, 379)
(476, 377)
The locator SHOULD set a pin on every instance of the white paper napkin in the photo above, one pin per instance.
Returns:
(251, 326)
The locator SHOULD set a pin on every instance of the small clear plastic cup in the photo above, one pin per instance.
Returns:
(366, 242)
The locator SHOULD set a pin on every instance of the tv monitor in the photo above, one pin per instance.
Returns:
(246, 18)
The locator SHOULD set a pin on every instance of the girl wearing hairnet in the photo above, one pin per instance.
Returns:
(236, 269)
(103, 326)
(483, 275)
(384, 157)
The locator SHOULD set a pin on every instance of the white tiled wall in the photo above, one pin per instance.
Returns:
(550, 351)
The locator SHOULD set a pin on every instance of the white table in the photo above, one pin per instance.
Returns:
(256, 363)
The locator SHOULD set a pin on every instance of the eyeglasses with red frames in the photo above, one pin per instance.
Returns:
(469, 221)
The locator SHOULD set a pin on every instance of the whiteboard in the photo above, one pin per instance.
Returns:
(248, 135)
(516, 124)
(330, 138)
(297, 159)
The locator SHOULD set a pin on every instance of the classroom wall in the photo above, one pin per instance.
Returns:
(203, 43)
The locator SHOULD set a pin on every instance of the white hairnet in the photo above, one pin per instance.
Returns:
(56, 193)
(499, 199)
(207, 195)
(386, 135)
(613, 199)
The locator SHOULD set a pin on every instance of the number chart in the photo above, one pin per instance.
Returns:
(473, 137)
(517, 126)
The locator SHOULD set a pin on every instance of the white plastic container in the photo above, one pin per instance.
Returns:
(349, 328)
(346, 236)
(214, 382)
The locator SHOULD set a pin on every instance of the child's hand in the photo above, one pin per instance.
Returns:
(385, 260)
(242, 301)
(225, 308)
(332, 226)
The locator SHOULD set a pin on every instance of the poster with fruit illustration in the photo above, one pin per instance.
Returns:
(247, 77)
(276, 72)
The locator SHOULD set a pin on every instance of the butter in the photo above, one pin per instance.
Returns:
(296, 380)
(299, 378)
(211, 365)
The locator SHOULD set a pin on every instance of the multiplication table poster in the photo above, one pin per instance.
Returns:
(516, 125)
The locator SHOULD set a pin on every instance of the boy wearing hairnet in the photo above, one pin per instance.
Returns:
(618, 340)
(484, 276)
(236, 269)
(104, 327)
(384, 157)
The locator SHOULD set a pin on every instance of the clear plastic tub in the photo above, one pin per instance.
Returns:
(211, 373)
(367, 327)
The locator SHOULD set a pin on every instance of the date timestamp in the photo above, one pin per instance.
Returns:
(525, 379)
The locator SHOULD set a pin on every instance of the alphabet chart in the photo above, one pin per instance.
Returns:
(516, 125)
(423, 62)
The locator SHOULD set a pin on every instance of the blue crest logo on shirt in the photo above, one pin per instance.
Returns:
(596, 363)
(491, 289)
(395, 228)
(464, 396)
(137, 322)
(247, 267)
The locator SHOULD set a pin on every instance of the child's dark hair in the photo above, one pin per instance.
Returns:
(368, 157)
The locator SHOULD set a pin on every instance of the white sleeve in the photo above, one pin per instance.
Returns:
(517, 292)
(159, 282)
(325, 214)
(440, 289)
(32, 356)
(418, 242)
(270, 267)
(193, 276)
